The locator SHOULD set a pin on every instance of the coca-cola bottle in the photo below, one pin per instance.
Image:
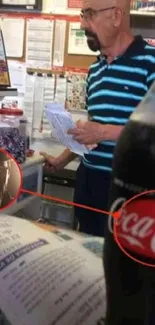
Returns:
(129, 273)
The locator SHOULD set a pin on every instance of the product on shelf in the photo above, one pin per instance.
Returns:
(76, 91)
(144, 5)
(13, 134)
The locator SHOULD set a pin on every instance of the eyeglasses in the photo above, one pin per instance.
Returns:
(88, 14)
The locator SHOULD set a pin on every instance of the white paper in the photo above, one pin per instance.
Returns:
(59, 43)
(77, 43)
(45, 280)
(49, 94)
(17, 72)
(39, 43)
(38, 102)
(29, 100)
(61, 89)
(13, 33)
(62, 121)
(59, 7)
(49, 88)
(93, 244)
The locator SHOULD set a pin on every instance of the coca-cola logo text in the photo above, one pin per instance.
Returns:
(136, 227)
(117, 204)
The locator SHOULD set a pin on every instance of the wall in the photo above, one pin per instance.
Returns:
(47, 5)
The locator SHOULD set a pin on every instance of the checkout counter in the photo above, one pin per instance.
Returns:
(34, 208)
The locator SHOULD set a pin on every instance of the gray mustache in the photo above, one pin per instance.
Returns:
(87, 33)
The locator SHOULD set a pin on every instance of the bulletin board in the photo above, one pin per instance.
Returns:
(38, 85)
(70, 60)
(78, 61)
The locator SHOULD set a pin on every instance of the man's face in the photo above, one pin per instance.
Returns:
(97, 22)
(4, 177)
(92, 40)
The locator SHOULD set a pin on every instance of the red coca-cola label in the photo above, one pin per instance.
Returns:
(135, 228)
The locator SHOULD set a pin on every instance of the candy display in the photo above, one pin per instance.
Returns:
(13, 136)
(13, 142)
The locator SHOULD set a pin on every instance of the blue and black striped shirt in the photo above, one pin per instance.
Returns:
(114, 91)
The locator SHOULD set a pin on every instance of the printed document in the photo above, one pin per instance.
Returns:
(62, 121)
(45, 280)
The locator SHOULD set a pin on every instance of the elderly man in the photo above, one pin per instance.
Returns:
(116, 83)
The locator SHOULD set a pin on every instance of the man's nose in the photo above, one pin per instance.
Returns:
(84, 24)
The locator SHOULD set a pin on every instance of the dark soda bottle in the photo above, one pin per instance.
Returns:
(130, 279)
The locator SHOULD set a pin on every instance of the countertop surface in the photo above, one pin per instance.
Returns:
(31, 161)
(55, 151)
(51, 148)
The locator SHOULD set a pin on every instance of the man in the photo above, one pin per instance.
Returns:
(116, 84)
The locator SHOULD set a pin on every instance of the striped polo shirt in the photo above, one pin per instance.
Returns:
(113, 92)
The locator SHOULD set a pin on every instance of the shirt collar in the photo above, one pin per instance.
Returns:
(135, 48)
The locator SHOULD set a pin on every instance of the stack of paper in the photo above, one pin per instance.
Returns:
(62, 121)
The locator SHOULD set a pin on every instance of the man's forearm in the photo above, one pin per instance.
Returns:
(67, 156)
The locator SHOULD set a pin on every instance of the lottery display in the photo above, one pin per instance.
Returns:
(76, 91)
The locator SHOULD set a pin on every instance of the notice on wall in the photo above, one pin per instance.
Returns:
(17, 72)
(13, 33)
(58, 7)
(29, 100)
(77, 41)
(39, 43)
(68, 7)
(59, 43)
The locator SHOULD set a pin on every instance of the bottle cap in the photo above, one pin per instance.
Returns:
(11, 111)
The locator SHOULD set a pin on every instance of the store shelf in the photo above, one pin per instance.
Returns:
(142, 13)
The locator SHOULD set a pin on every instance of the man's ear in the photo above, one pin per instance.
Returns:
(117, 17)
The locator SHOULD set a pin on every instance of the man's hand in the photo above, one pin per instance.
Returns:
(89, 133)
(52, 164)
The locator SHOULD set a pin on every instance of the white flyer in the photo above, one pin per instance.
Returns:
(62, 121)
(39, 43)
(13, 32)
(59, 43)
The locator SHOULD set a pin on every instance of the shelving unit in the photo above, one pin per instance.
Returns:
(142, 13)
(143, 23)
